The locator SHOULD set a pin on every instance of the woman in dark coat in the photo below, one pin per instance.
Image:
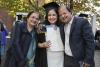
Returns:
(24, 42)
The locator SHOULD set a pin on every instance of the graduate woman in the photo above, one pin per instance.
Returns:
(51, 52)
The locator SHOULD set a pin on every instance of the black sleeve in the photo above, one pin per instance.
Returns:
(41, 35)
(89, 40)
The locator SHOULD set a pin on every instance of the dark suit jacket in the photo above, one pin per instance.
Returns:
(81, 40)
(21, 39)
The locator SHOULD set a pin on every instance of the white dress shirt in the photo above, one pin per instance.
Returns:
(67, 28)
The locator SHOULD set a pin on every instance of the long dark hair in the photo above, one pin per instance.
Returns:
(46, 22)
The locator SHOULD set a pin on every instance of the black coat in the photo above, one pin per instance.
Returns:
(21, 39)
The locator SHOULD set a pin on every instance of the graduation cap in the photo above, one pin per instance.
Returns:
(83, 15)
(51, 5)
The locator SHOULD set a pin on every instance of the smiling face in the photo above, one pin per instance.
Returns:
(52, 16)
(64, 14)
(33, 19)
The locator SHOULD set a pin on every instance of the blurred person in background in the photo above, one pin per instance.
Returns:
(3, 40)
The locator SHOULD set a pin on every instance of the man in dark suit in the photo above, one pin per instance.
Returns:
(79, 40)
